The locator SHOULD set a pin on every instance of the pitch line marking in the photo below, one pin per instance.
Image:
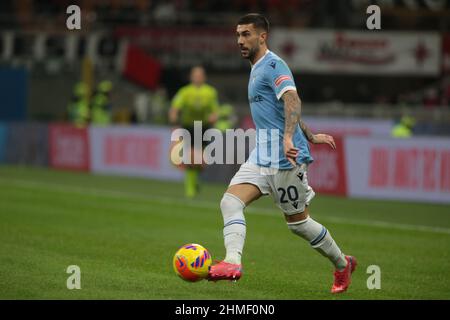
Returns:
(59, 187)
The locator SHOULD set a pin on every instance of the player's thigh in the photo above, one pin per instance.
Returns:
(291, 191)
(248, 184)
(247, 192)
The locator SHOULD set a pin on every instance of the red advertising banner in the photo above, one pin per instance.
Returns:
(133, 151)
(327, 174)
(412, 169)
(359, 52)
(69, 147)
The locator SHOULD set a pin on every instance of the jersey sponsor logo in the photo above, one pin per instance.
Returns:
(281, 79)
(257, 98)
(273, 64)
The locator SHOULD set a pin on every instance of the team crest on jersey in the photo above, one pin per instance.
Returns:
(281, 79)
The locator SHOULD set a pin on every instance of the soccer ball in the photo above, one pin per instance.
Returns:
(192, 262)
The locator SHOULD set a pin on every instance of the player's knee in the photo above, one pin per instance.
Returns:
(297, 217)
(308, 229)
(231, 205)
(296, 227)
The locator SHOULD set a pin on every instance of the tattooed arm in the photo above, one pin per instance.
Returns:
(308, 134)
(292, 112)
(317, 138)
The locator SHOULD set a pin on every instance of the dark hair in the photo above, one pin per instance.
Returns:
(258, 20)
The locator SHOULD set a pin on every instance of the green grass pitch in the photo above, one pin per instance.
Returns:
(123, 232)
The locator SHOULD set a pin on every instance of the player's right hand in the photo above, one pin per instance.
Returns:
(290, 152)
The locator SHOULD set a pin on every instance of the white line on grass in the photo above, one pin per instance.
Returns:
(59, 187)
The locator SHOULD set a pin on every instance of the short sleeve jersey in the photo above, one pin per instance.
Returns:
(270, 78)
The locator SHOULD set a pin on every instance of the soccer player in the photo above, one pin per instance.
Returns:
(196, 101)
(275, 104)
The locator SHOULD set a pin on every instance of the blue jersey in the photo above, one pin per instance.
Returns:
(269, 79)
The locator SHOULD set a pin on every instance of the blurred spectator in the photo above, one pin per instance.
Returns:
(101, 104)
(310, 13)
(78, 109)
(404, 129)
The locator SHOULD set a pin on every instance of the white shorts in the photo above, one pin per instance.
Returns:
(289, 188)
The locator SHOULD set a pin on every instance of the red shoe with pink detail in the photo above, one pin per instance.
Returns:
(225, 271)
(342, 279)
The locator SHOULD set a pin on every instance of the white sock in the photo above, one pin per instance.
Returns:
(320, 239)
(234, 227)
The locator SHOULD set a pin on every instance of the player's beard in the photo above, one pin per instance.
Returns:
(252, 53)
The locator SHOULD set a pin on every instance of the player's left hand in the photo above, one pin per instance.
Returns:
(324, 138)
(290, 152)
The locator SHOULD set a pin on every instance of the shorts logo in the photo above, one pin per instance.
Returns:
(281, 79)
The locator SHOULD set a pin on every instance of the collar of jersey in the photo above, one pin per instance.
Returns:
(261, 59)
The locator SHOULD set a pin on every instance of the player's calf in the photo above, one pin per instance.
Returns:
(234, 229)
(320, 239)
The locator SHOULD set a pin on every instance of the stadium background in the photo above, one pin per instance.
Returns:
(66, 185)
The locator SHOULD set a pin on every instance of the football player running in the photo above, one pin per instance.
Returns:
(278, 164)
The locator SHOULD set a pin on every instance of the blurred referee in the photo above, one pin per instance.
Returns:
(196, 101)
